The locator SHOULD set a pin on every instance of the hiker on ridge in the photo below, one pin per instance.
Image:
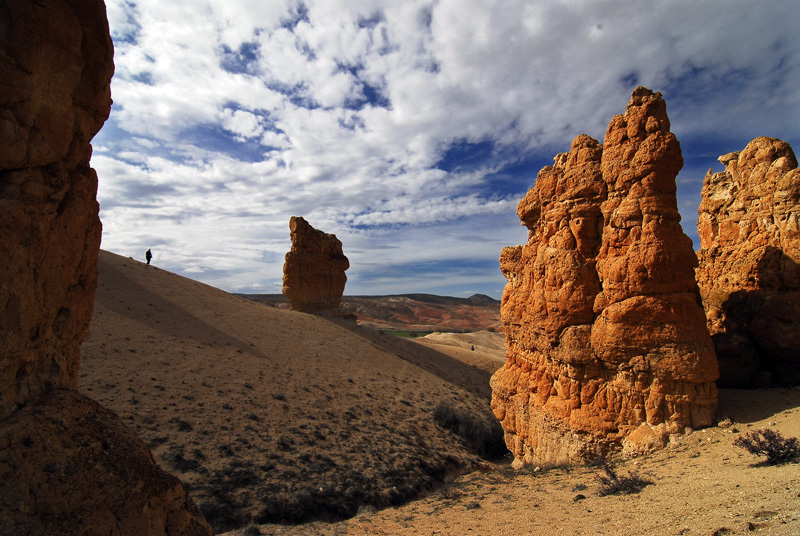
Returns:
(148, 256)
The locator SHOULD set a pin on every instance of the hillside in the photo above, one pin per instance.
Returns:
(272, 415)
(413, 312)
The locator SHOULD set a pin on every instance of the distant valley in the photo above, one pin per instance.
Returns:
(413, 312)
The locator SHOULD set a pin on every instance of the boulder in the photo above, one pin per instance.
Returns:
(749, 264)
(604, 329)
(67, 465)
(77, 469)
(313, 274)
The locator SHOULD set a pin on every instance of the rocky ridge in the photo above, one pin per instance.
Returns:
(749, 271)
(606, 344)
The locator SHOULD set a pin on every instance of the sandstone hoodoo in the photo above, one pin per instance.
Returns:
(607, 348)
(67, 465)
(313, 274)
(749, 272)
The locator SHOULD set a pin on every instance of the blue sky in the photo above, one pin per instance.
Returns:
(410, 129)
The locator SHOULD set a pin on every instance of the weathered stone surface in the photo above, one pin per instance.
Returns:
(749, 272)
(56, 65)
(313, 274)
(77, 469)
(67, 466)
(606, 344)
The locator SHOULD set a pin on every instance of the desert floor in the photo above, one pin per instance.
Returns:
(701, 486)
(268, 414)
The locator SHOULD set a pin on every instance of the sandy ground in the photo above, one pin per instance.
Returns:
(251, 405)
(702, 486)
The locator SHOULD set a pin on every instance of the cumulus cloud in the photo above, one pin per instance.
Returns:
(382, 121)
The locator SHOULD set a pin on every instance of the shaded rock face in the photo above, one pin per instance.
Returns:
(313, 274)
(56, 66)
(749, 272)
(607, 348)
(130, 493)
(67, 465)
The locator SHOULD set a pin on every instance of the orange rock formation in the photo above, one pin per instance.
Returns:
(749, 271)
(313, 274)
(67, 466)
(607, 347)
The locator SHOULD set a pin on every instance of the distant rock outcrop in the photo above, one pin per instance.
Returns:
(56, 63)
(749, 272)
(313, 274)
(606, 344)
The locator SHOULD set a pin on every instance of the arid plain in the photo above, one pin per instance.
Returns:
(294, 424)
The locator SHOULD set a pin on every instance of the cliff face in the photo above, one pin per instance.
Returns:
(56, 69)
(313, 274)
(67, 465)
(749, 271)
(606, 344)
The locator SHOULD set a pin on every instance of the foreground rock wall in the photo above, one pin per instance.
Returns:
(749, 271)
(56, 67)
(67, 465)
(606, 344)
(313, 274)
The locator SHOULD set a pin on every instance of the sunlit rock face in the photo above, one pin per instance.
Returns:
(313, 274)
(607, 348)
(67, 465)
(749, 272)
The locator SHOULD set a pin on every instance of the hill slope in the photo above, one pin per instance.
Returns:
(273, 415)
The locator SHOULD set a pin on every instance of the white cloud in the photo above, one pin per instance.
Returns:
(230, 116)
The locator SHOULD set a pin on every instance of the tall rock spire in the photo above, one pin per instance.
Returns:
(607, 348)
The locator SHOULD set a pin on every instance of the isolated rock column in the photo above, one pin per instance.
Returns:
(67, 465)
(606, 344)
(313, 274)
(749, 271)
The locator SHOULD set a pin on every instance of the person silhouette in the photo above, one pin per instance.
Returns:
(148, 256)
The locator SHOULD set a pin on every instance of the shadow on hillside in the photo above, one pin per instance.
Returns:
(159, 313)
(458, 373)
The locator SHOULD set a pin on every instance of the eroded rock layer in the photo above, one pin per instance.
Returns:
(607, 348)
(749, 272)
(67, 466)
(313, 274)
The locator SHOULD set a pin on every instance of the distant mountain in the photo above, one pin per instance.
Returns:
(413, 312)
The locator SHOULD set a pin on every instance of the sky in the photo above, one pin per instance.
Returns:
(409, 128)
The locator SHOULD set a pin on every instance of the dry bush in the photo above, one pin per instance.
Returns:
(611, 483)
(769, 443)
